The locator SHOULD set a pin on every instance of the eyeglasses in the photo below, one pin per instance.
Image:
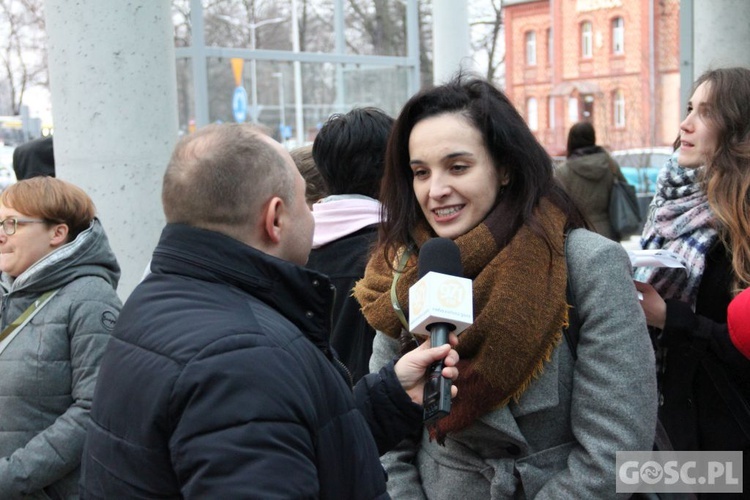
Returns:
(11, 224)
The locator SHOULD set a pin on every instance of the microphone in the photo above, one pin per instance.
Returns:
(439, 302)
(738, 322)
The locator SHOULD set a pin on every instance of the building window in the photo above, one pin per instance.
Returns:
(532, 117)
(531, 48)
(551, 112)
(549, 46)
(618, 36)
(572, 110)
(587, 39)
(619, 109)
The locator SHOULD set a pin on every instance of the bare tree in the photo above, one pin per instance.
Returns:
(23, 50)
(487, 37)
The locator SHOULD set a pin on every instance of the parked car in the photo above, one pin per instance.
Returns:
(641, 166)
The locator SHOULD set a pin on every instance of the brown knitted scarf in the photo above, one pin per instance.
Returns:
(519, 309)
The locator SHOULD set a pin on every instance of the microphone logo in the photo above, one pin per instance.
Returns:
(438, 298)
(451, 293)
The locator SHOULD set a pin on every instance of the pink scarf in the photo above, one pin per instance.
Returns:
(341, 217)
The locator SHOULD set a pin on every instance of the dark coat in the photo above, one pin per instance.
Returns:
(587, 176)
(220, 383)
(34, 158)
(344, 262)
(698, 350)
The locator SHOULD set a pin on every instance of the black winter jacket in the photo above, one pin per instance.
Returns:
(698, 356)
(220, 383)
(344, 261)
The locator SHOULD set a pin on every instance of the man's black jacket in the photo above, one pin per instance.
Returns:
(219, 383)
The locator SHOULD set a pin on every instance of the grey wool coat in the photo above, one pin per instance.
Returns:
(560, 439)
(48, 371)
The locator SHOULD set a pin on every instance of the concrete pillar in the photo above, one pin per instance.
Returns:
(713, 34)
(451, 38)
(114, 105)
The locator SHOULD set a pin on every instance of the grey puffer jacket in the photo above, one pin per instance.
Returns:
(48, 371)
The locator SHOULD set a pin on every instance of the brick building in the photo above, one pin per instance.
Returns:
(614, 62)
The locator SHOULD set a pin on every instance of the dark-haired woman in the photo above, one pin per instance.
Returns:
(588, 175)
(535, 416)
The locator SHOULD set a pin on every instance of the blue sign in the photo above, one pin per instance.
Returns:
(285, 131)
(239, 104)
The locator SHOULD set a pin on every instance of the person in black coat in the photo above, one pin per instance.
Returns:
(34, 158)
(349, 153)
(220, 381)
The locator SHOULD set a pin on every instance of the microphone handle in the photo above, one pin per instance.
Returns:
(437, 389)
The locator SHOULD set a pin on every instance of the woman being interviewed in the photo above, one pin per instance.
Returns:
(530, 419)
(59, 306)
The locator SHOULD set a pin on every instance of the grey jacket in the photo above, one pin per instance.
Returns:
(48, 371)
(559, 440)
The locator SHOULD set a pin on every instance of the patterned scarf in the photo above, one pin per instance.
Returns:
(679, 220)
(519, 309)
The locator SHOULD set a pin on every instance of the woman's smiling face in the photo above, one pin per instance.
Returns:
(455, 180)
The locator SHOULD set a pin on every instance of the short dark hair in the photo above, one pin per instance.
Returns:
(220, 175)
(349, 151)
(581, 135)
(513, 148)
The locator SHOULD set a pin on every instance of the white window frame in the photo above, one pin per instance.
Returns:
(530, 37)
(532, 113)
(618, 114)
(587, 39)
(551, 111)
(573, 110)
(618, 36)
(550, 46)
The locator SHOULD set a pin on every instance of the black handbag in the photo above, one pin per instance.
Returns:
(624, 213)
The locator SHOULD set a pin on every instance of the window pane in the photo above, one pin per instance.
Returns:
(530, 47)
(586, 39)
(618, 36)
(532, 117)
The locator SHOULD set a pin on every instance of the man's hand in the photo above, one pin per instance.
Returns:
(412, 367)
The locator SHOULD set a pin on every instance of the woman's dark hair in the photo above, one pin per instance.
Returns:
(581, 135)
(511, 145)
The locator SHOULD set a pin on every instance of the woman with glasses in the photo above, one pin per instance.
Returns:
(59, 306)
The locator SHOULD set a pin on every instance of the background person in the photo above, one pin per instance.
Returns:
(219, 381)
(588, 175)
(702, 212)
(349, 152)
(315, 185)
(34, 158)
(50, 241)
(530, 420)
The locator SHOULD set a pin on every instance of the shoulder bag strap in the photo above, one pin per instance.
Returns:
(12, 330)
(396, 275)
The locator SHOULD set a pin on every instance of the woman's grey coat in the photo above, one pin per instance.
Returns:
(48, 371)
(559, 440)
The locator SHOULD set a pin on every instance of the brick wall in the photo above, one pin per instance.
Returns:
(651, 98)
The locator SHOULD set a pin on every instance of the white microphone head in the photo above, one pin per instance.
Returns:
(441, 295)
